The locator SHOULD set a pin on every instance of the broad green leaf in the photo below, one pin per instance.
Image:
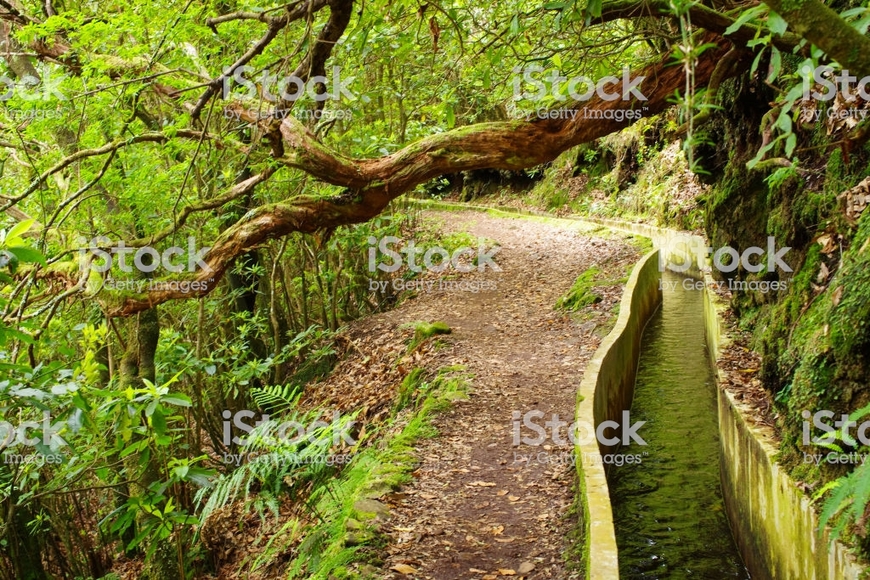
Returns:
(19, 229)
(776, 24)
(593, 8)
(27, 255)
(158, 421)
(176, 399)
(756, 62)
(775, 64)
(790, 143)
(747, 15)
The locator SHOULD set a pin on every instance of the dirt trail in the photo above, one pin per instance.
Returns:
(479, 506)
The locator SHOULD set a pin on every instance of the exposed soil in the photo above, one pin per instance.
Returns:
(740, 367)
(481, 507)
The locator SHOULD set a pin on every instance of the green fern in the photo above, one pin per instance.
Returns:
(281, 464)
(850, 494)
(277, 398)
(848, 502)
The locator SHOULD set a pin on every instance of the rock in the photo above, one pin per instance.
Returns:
(352, 525)
(372, 508)
(525, 568)
(355, 539)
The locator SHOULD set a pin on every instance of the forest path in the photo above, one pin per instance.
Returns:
(480, 507)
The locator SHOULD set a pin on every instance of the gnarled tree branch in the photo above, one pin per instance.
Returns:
(372, 183)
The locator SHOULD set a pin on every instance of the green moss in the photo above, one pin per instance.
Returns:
(425, 330)
(580, 295)
(827, 347)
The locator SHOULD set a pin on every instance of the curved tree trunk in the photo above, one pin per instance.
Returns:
(372, 183)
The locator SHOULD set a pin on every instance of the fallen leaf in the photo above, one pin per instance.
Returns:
(481, 484)
(477, 571)
(506, 572)
(404, 569)
(513, 498)
(838, 294)
(497, 530)
(501, 492)
(526, 567)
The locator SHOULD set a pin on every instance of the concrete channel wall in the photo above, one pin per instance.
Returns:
(606, 390)
(772, 520)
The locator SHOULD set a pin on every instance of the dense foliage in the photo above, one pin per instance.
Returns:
(190, 190)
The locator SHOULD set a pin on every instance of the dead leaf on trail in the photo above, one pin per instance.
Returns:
(507, 572)
(838, 294)
(404, 569)
(477, 571)
(481, 484)
(513, 498)
(526, 567)
(501, 492)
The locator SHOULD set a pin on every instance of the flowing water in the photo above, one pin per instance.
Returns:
(668, 511)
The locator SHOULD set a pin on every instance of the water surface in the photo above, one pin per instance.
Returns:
(668, 511)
